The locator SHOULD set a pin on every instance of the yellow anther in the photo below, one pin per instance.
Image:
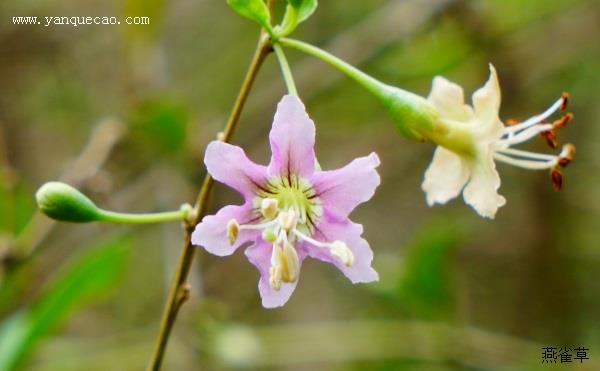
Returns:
(268, 207)
(233, 230)
(291, 264)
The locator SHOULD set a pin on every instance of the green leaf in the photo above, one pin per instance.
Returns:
(255, 10)
(305, 8)
(296, 12)
(83, 278)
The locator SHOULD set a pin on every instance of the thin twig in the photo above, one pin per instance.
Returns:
(179, 291)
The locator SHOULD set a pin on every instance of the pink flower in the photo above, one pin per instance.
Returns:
(292, 209)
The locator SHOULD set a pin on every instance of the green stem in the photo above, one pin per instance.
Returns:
(373, 85)
(127, 218)
(285, 70)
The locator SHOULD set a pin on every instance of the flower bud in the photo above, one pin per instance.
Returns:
(62, 202)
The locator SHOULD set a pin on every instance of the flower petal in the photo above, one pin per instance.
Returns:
(486, 102)
(333, 227)
(292, 140)
(229, 165)
(260, 256)
(211, 232)
(445, 177)
(448, 98)
(341, 190)
(482, 190)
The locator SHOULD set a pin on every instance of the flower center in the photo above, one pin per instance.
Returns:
(288, 210)
(519, 132)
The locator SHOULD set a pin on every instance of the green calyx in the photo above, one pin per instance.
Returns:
(412, 114)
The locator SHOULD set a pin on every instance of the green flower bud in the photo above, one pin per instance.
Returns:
(62, 202)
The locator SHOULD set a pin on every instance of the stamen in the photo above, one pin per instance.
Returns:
(310, 240)
(525, 134)
(526, 154)
(276, 269)
(268, 207)
(341, 251)
(233, 230)
(550, 138)
(337, 248)
(565, 98)
(287, 219)
(561, 122)
(557, 179)
(258, 226)
(566, 155)
(269, 235)
(275, 277)
(527, 164)
(538, 118)
(291, 263)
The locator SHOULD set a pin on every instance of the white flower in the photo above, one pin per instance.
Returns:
(472, 138)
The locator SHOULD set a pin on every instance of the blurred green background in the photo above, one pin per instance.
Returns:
(125, 112)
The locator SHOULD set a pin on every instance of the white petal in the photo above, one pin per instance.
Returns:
(486, 102)
(445, 177)
(448, 98)
(482, 191)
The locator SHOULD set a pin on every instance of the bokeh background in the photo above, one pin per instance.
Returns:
(124, 113)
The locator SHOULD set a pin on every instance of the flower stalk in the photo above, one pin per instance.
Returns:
(413, 115)
(146, 218)
(285, 70)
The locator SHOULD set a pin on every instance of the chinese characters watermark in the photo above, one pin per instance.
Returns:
(564, 354)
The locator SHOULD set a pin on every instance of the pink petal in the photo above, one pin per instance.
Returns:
(292, 140)
(331, 228)
(260, 256)
(229, 165)
(343, 189)
(211, 232)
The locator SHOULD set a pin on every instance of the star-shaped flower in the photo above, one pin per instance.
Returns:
(472, 138)
(292, 210)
